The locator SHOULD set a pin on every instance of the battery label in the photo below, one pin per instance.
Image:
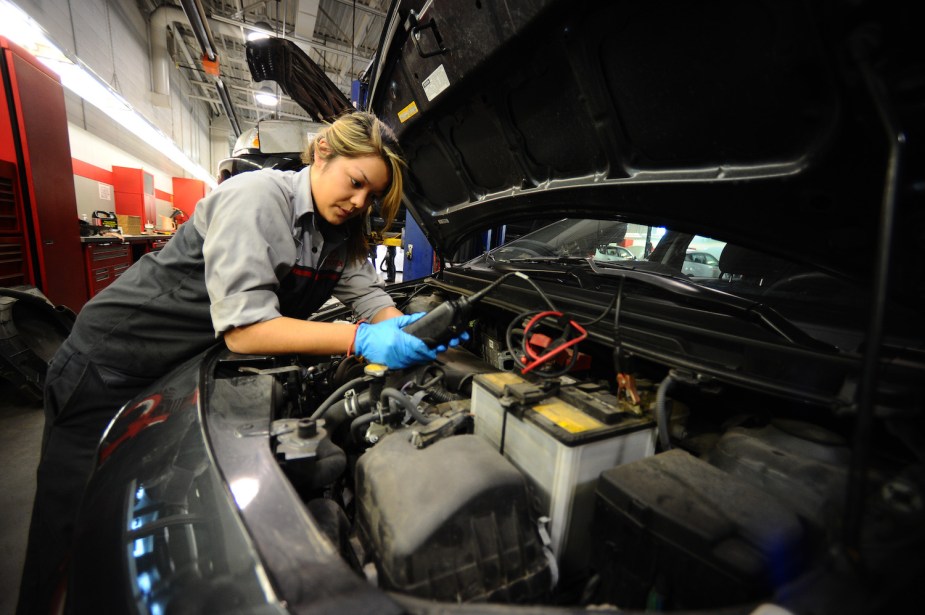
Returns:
(569, 418)
(499, 379)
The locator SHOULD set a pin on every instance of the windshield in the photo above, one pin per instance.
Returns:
(795, 289)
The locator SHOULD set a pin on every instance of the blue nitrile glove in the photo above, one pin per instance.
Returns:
(464, 336)
(386, 343)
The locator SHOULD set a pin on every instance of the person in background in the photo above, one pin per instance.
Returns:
(260, 254)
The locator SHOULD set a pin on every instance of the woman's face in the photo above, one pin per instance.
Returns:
(343, 188)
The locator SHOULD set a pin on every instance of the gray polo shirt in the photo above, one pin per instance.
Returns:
(254, 250)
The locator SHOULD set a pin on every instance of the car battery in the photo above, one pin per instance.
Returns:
(674, 528)
(561, 448)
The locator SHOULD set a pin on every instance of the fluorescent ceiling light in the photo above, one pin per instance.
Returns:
(78, 78)
(266, 97)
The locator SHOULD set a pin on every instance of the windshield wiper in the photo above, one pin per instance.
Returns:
(543, 266)
(674, 283)
(730, 304)
(565, 260)
(643, 266)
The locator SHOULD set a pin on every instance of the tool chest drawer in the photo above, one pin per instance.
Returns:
(105, 262)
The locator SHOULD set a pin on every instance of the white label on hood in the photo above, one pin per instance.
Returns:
(435, 83)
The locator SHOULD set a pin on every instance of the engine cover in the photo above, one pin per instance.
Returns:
(449, 522)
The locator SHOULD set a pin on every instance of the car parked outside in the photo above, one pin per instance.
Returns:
(700, 265)
(613, 252)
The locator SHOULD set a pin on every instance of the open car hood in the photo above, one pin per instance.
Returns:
(282, 61)
(783, 126)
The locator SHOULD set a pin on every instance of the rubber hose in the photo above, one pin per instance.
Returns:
(433, 380)
(441, 394)
(338, 394)
(364, 420)
(405, 402)
(336, 414)
(320, 471)
(329, 465)
(662, 414)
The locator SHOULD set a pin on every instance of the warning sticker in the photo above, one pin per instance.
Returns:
(435, 83)
(569, 418)
(408, 112)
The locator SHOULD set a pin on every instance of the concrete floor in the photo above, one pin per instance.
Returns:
(21, 423)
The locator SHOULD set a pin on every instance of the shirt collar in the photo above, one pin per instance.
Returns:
(302, 188)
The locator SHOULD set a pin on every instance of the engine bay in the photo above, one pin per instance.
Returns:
(599, 480)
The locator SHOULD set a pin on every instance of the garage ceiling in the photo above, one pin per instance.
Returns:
(339, 35)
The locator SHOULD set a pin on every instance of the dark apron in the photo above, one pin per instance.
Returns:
(80, 400)
(306, 289)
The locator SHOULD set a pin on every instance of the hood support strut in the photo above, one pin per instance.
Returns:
(867, 388)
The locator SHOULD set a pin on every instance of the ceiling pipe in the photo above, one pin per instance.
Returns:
(229, 108)
(161, 18)
(197, 20)
(196, 76)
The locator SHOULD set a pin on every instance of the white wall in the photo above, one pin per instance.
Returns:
(93, 195)
(111, 38)
(92, 149)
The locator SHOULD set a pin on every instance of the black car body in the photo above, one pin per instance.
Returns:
(614, 436)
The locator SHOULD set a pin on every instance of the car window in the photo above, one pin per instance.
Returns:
(698, 258)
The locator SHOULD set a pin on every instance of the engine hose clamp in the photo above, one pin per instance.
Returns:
(351, 405)
(416, 400)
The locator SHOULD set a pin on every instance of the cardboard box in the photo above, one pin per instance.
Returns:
(131, 225)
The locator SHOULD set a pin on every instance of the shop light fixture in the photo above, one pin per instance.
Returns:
(262, 32)
(18, 27)
(266, 97)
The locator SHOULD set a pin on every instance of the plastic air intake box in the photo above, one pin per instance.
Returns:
(674, 527)
(449, 522)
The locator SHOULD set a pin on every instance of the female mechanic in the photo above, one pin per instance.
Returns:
(261, 253)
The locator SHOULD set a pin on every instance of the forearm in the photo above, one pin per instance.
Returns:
(386, 313)
(292, 336)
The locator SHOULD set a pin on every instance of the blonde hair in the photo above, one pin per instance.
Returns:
(352, 136)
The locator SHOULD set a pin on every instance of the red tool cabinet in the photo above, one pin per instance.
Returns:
(134, 190)
(39, 237)
(105, 262)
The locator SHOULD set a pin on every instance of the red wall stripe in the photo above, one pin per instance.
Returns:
(90, 171)
(85, 169)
